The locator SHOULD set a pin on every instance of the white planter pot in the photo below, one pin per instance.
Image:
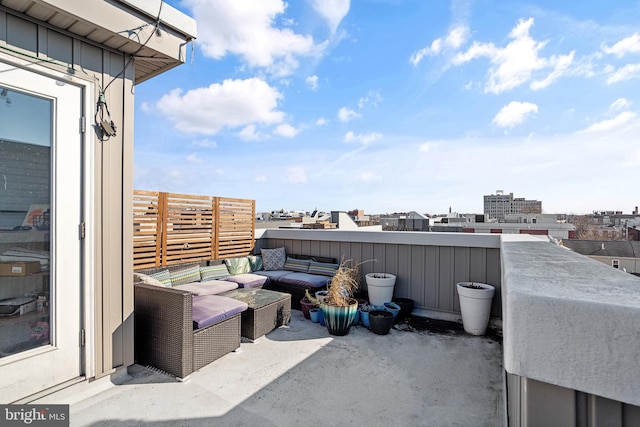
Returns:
(380, 288)
(475, 305)
(321, 296)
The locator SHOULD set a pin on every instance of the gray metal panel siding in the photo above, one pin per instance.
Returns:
(426, 274)
(112, 208)
(532, 403)
(548, 405)
(3, 28)
(126, 130)
(58, 46)
(22, 34)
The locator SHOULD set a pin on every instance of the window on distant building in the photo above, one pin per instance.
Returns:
(615, 263)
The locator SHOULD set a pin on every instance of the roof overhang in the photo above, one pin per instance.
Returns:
(127, 26)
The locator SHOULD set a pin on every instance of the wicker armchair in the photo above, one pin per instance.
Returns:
(164, 334)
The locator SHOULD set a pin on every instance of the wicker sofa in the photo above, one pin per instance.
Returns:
(299, 274)
(167, 334)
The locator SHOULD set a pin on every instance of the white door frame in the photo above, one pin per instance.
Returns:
(86, 85)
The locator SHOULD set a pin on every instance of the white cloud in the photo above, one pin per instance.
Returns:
(562, 63)
(233, 103)
(260, 178)
(286, 130)
(146, 107)
(345, 114)
(426, 147)
(456, 38)
(364, 139)
(514, 113)
(333, 11)
(194, 158)
(296, 175)
(611, 124)
(368, 176)
(629, 71)
(514, 64)
(312, 82)
(321, 121)
(249, 134)
(620, 103)
(373, 98)
(205, 143)
(246, 28)
(433, 49)
(630, 44)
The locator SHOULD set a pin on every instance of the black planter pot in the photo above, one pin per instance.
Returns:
(406, 307)
(380, 321)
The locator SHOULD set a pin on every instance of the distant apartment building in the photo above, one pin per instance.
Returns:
(500, 205)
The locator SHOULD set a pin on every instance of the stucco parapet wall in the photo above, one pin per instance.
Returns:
(570, 321)
(475, 240)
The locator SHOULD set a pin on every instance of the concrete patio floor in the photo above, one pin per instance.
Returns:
(299, 375)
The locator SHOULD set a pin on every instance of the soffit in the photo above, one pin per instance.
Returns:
(156, 57)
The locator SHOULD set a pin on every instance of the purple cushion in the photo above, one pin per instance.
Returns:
(210, 309)
(210, 287)
(273, 274)
(306, 280)
(248, 280)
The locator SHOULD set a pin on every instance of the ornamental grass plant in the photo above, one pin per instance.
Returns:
(344, 284)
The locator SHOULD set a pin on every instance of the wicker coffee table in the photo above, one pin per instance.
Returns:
(267, 310)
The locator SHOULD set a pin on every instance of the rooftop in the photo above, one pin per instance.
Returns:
(421, 373)
(567, 348)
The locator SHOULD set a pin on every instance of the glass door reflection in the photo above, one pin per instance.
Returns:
(26, 138)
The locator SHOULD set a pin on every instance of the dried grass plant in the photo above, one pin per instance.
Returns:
(343, 286)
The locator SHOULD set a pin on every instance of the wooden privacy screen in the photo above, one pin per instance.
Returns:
(171, 228)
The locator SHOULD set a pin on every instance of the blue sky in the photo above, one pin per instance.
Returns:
(395, 105)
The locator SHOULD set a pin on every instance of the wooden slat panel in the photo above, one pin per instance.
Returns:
(235, 227)
(146, 225)
(171, 228)
(188, 231)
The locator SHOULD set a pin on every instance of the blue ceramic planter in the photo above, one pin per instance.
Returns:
(339, 319)
(393, 308)
(364, 317)
(356, 319)
(314, 313)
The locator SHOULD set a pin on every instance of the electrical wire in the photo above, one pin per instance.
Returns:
(105, 123)
(142, 46)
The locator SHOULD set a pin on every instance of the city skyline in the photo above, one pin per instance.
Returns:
(398, 105)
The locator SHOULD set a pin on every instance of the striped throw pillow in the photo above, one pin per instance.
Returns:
(163, 276)
(185, 275)
(323, 268)
(214, 272)
(147, 280)
(301, 265)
